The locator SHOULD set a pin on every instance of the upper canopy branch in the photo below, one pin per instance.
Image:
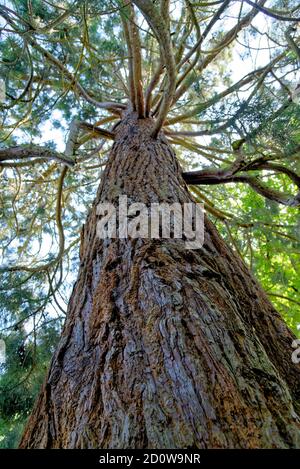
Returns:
(272, 13)
(97, 131)
(201, 37)
(227, 39)
(135, 58)
(22, 152)
(161, 30)
(233, 174)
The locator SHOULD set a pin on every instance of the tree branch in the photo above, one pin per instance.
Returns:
(162, 32)
(130, 61)
(97, 131)
(291, 42)
(148, 94)
(135, 44)
(33, 151)
(229, 175)
(272, 13)
(201, 107)
(227, 39)
(110, 106)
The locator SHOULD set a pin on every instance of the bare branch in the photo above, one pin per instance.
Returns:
(272, 13)
(137, 62)
(162, 33)
(203, 36)
(33, 151)
(230, 174)
(148, 94)
(291, 42)
(97, 131)
(130, 62)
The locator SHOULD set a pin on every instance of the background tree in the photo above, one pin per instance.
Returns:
(77, 70)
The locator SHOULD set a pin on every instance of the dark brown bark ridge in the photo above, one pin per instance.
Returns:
(165, 347)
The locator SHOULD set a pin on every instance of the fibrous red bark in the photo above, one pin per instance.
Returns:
(165, 347)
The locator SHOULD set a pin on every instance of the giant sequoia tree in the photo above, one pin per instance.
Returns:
(162, 101)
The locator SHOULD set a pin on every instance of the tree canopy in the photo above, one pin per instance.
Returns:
(220, 78)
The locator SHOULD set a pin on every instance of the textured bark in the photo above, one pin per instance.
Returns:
(165, 347)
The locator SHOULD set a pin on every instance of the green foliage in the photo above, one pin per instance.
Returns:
(21, 377)
(269, 245)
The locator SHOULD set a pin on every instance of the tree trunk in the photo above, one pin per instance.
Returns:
(165, 347)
